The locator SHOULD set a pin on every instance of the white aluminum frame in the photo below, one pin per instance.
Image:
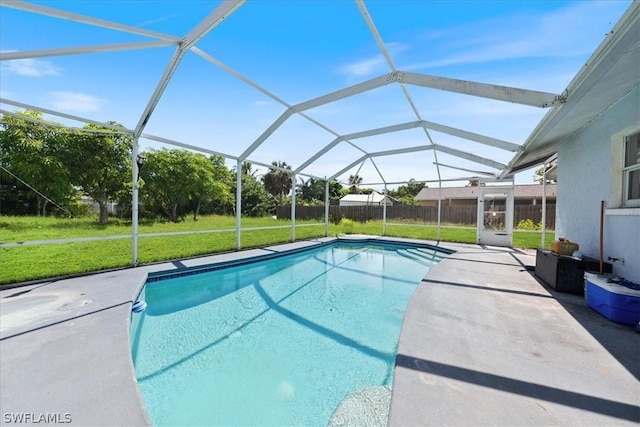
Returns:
(189, 42)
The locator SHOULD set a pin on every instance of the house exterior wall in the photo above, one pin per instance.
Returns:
(359, 203)
(450, 202)
(354, 203)
(590, 171)
(380, 202)
(474, 202)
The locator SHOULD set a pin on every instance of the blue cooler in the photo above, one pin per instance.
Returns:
(617, 303)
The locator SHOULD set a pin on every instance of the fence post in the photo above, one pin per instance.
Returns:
(326, 208)
(293, 207)
(384, 211)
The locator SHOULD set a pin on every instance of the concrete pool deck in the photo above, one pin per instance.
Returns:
(483, 343)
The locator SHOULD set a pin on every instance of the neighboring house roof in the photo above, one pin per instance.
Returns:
(519, 192)
(374, 197)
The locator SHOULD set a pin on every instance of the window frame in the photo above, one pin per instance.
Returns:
(627, 171)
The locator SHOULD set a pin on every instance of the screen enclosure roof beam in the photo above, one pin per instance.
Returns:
(76, 17)
(9, 56)
(532, 98)
(468, 170)
(63, 115)
(357, 135)
(470, 157)
(218, 15)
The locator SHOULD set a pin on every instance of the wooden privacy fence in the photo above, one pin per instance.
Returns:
(459, 215)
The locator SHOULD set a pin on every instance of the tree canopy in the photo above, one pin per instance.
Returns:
(33, 166)
(44, 162)
(277, 182)
(99, 162)
(311, 191)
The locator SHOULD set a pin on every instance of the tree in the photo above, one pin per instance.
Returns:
(33, 153)
(246, 169)
(100, 163)
(354, 182)
(204, 184)
(336, 190)
(166, 176)
(222, 174)
(278, 182)
(475, 183)
(538, 176)
(255, 201)
(408, 200)
(409, 190)
(311, 191)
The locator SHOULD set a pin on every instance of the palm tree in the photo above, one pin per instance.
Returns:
(277, 182)
(354, 182)
(246, 169)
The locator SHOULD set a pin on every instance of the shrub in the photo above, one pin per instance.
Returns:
(335, 217)
(528, 224)
(347, 225)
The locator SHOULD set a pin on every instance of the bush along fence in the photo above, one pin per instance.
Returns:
(531, 215)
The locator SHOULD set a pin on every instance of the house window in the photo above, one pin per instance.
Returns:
(631, 170)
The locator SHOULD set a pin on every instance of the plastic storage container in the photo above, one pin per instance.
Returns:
(615, 302)
(564, 247)
(565, 274)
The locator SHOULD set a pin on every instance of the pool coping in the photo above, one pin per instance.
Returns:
(73, 356)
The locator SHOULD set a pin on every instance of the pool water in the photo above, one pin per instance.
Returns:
(277, 342)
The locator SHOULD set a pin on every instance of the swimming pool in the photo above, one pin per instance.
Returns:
(277, 342)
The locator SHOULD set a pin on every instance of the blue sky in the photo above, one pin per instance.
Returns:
(298, 50)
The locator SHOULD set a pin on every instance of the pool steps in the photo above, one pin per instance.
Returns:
(422, 256)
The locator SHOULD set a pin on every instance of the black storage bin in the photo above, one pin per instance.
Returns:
(564, 273)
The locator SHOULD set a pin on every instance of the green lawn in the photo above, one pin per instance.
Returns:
(23, 263)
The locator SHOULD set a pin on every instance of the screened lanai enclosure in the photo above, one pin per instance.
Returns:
(365, 94)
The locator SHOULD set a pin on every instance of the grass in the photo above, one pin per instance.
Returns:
(24, 263)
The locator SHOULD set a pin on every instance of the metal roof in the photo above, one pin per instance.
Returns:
(327, 150)
(374, 197)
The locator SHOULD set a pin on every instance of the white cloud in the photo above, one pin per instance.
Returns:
(261, 103)
(560, 33)
(157, 20)
(364, 67)
(30, 68)
(376, 64)
(74, 101)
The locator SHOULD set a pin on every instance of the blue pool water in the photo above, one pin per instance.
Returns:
(277, 342)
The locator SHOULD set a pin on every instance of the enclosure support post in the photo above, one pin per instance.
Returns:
(544, 205)
(293, 207)
(439, 209)
(326, 208)
(238, 202)
(134, 203)
(384, 212)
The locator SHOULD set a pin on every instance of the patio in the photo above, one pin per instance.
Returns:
(483, 342)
